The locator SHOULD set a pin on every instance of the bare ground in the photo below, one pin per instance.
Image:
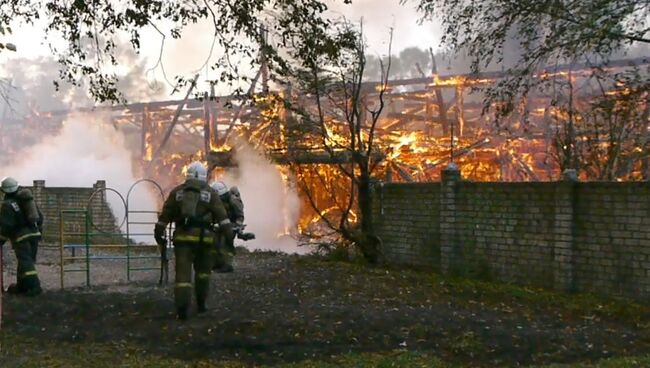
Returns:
(277, 308)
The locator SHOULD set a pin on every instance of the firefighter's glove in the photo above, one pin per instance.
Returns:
(238, 228)
(159, 235)
(215, 228)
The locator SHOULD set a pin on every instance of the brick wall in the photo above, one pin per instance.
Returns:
(506, 230)
(52, 200)
(612, 237)
(404, 221)
(571, 236)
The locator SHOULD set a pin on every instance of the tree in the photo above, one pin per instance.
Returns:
(83, 35)
(33, 91)
(548, 32)
(343, 126)
(5, 85)
(604, 137)
(404, 65)
(593, 115)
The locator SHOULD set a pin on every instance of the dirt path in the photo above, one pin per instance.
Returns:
(278, 308)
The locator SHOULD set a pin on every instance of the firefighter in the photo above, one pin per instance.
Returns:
(224, 249)
(199, 216)
(20, 222)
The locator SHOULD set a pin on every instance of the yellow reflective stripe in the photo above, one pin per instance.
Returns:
(186, 238)
(183, 285)
(192, 238)
(21, 238)
(30, 273)
(203, 275)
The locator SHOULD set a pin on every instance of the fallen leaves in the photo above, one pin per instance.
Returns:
(273, 310)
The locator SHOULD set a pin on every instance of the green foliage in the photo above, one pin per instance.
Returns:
(9, 46)
(6, 30)
(329, 72)
(606, 138)
(251, 30)
(411, 62)
(546, 32)
(596, 123)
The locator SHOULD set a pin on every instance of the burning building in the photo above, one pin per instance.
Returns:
(426, 123)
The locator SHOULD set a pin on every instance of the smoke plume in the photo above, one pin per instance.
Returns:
(271, 206)
(83, 152)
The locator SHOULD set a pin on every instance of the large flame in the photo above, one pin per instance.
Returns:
(412, 141)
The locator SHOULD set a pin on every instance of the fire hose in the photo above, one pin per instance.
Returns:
(164, 262)
(239, 230)
(163, 244)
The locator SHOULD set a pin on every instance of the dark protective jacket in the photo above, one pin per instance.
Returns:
(207, 211)
(20, 217)
(234, 205)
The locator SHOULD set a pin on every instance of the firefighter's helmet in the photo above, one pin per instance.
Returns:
(220, 187)
(197, 170)
(9, 185)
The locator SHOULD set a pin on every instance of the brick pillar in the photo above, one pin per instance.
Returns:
(564, 225)
(97, 211)
(450, 252)
(100, 185)
(39, 191)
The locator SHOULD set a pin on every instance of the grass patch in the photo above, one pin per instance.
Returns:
(609, 363)
(320, 313)
(18, 351)
(583, 305)
(30, 353)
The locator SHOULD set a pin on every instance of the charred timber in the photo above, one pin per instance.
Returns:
(195, 106)
(623, 63)
(299, 157)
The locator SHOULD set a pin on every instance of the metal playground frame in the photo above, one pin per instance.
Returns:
(91, 231)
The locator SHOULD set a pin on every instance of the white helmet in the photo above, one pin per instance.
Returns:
(196, 170)
(220, 187)
(9, 185)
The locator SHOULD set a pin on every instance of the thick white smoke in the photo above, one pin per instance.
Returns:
(271, 207)
(86, 151)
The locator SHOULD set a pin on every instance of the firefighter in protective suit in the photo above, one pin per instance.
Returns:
(20, 222)
(224, 249)
(199, 216)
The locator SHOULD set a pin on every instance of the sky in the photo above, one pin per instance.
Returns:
(187, 55)
(103, 156)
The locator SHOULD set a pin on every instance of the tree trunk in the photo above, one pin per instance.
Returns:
(366, 240)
